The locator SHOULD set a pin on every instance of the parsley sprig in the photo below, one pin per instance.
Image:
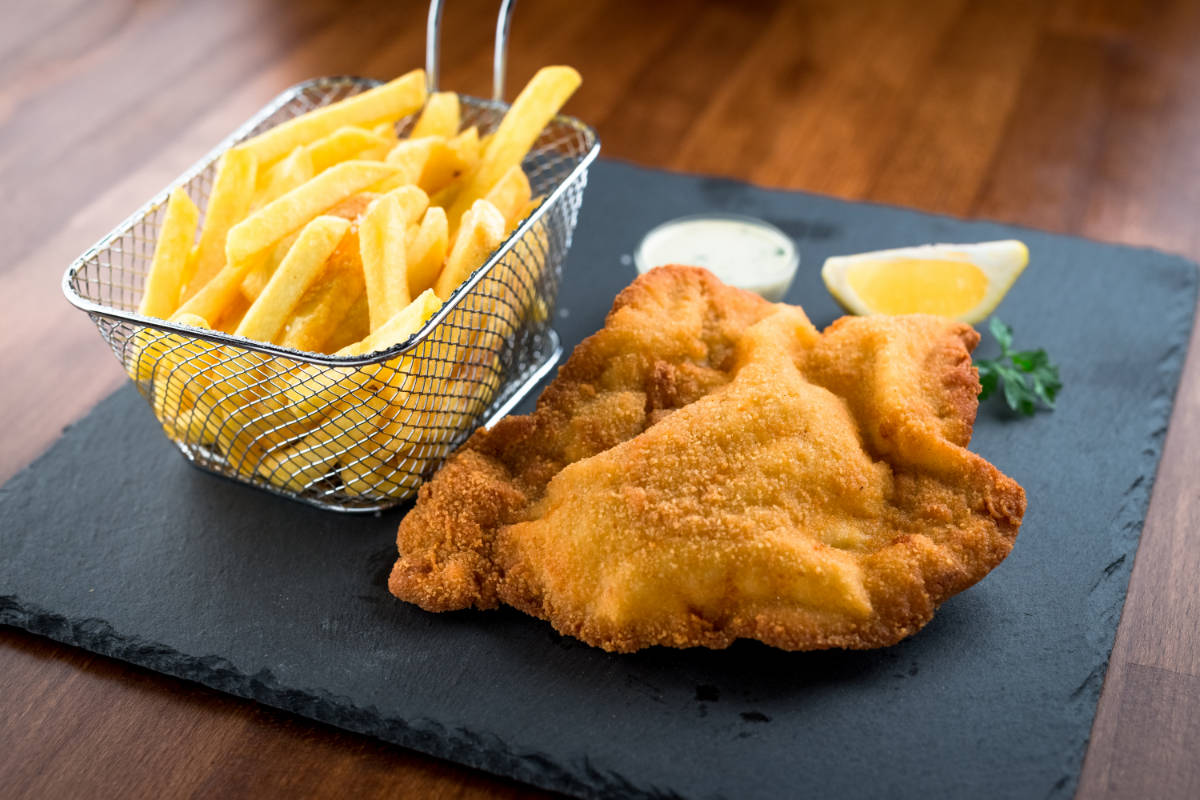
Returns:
(1026, 376)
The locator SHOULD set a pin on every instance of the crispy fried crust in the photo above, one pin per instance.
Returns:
(709, 467)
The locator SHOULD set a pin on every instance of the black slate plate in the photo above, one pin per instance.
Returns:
(111, 542)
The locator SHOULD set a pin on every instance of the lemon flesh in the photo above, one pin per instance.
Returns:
(918, 286)
(964, 282)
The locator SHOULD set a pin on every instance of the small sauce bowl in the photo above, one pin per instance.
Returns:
(742, 251)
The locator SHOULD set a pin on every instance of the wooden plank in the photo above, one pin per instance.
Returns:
(79, 725)
(963, 109)
(1042, 174)
(1155, 705)
(667, 97)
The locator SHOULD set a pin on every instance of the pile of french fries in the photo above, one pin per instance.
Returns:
(330, 234)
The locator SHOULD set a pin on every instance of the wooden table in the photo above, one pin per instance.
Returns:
(1079, 116)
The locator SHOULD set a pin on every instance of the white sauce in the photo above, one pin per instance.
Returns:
(741, 251)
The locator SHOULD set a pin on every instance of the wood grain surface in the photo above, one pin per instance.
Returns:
(1079, 116)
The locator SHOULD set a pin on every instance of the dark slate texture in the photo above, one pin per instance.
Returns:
(111, 542)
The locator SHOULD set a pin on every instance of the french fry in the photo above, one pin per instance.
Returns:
(355, 326)
(232, 191)
(257, 278)
(349, 209)
(224, 382)
(426, 249)
(316, 457)
(232, 314)
(369, 476)
(283, 176)
(534, 107)
(381, 244)
(315, 390)
(510, 195)
(291, 211)
(219, 294)
(482, 232)
(439, 117)
(147, 348)
(409, 158)
(387, 130)
(171, 253)
(540, 250)
(346, 424)
(344, 144)
(353, 206)
(297, 467)
(392, 100)
(406, 322)
(382, 260)
(385, 459)
(176, 384)
(246, 434)
(192, 321)
(377, 153)
(378, 435)
(460, 379)
(267, 316)
(532, 206)
(452, 159)
(411, 201)
(181, 374)
(538, 243)
(511, 300)
(198, 386)
(327, 302)
(380, 464)
(353, 403)
(507, 314)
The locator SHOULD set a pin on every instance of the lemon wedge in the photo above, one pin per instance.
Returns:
(962, 281)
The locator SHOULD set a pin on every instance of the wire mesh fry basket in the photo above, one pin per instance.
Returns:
(347, 433)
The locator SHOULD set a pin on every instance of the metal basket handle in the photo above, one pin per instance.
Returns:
(433, 39)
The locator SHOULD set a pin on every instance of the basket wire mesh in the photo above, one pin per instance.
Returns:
(346, 433)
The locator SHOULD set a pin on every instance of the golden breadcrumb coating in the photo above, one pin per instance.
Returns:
(709, 467)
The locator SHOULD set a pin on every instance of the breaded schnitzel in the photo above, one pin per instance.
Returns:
(709, 467)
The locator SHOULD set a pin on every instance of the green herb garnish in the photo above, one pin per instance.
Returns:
(1026, 376)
